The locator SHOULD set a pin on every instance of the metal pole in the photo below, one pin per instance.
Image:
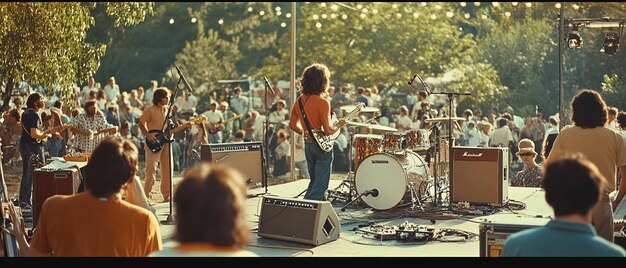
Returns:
(561, 48)
(292, 79)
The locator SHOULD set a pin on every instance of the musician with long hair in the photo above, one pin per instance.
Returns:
(314, 85)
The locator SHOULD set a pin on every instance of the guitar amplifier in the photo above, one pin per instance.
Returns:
(245, 157)
(49, 182)
(480, 175)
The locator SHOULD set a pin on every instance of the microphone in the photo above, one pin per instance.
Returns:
(182, 77)
(373, 192)
(412, 79)
(267, 84)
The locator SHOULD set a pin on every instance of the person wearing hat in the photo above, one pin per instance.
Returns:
(530, 175)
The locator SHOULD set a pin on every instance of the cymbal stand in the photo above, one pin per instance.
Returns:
(414, 198)
(450, 96)
(349, 181)
(436, 159)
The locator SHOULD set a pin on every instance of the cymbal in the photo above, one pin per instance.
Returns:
(372, 126)
(349, 108)
(443, 119)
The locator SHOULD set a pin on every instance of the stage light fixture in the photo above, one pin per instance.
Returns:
(611, 43)
(574, 39)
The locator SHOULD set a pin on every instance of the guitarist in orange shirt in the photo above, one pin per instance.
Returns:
(314, 84)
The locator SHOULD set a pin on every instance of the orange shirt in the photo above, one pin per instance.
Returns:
(83, 225)
(315, 107)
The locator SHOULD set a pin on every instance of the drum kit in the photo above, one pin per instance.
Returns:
(387, 170)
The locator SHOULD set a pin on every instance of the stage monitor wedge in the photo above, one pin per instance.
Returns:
(298, 220)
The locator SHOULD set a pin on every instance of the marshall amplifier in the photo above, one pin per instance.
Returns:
(492, 235)
(303, 221)
(245, 157)
(480, 175)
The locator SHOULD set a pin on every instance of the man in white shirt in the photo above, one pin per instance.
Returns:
(214, 124)
(112, 90)
(147, 96)
(91, 86)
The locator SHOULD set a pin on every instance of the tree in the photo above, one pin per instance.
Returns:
(44, 42)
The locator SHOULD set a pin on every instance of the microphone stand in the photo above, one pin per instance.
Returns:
(265, 137)
(167, 125)
(373, 192)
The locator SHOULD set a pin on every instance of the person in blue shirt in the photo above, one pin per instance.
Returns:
(573, 185)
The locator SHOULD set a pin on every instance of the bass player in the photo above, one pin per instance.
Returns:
(153, 118)
(314, 84)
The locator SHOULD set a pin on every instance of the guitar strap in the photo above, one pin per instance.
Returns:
(306, 120)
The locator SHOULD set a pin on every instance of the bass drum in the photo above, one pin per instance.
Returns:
(391, 175)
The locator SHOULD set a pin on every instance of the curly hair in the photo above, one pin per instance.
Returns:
(315, 79)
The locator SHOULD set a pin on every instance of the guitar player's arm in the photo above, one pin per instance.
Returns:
(293, 124)
(144, 131)
(329, 129)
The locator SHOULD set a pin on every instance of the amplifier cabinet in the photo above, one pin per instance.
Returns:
(297, 220)
(480, 175)
(245, 157)
(492, 235)
(47, 183)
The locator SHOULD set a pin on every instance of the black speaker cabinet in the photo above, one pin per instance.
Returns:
(246, 157)
(297, 220)
(480, 175)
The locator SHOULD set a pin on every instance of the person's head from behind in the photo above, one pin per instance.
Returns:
(588, 109)
(573, 185)
(210, 207)
(112, 164)
(315, 79)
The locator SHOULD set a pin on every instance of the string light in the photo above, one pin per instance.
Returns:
(316, 17)
(433, 16)
(514, 4)
(333, 16)
(288, 15)
(463, 4)
(395, 6)
(344, 16)
(220, 21)
(172, 21)
(324, 16)
(423, 4)
(359, 6)
(278, 13)
(508, 14)
(449, 14)
(467, 15)
(484, 17)
(529, 4)
(365, 10)
(318, 25)
(374, 11)
(277, 9)
(282, 24)
(575, 6)
(362, 15)
(398, 15)
(416, 15)
(557, 5)
(437, 7)
(495, 4)
(477, 4)
(334, 7)
(261, 12)
(323, 4)
(194, 20)
(250, 9)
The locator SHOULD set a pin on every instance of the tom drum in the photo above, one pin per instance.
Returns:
(364, 145)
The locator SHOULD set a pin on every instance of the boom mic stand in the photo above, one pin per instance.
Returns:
(169, 124)
(373, 192)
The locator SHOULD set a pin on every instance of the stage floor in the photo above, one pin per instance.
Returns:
(357, 244)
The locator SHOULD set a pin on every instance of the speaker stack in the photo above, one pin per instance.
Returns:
(480, 175)
(297, 220)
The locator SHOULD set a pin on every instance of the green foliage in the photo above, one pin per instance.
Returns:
(614, 91)
(482, 81)
(44, 42)
(206, 60)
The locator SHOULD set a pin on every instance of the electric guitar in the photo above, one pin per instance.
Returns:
(163, 137)
(214, 128)
(53, 130)
(326, 142)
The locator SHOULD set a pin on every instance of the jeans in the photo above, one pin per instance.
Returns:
(55, 146)
(26, 186)
(215, 138)
(319, 164)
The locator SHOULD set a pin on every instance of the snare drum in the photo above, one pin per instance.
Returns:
(365, 145)
(393, 176)
(413, 138)
(393, 142)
